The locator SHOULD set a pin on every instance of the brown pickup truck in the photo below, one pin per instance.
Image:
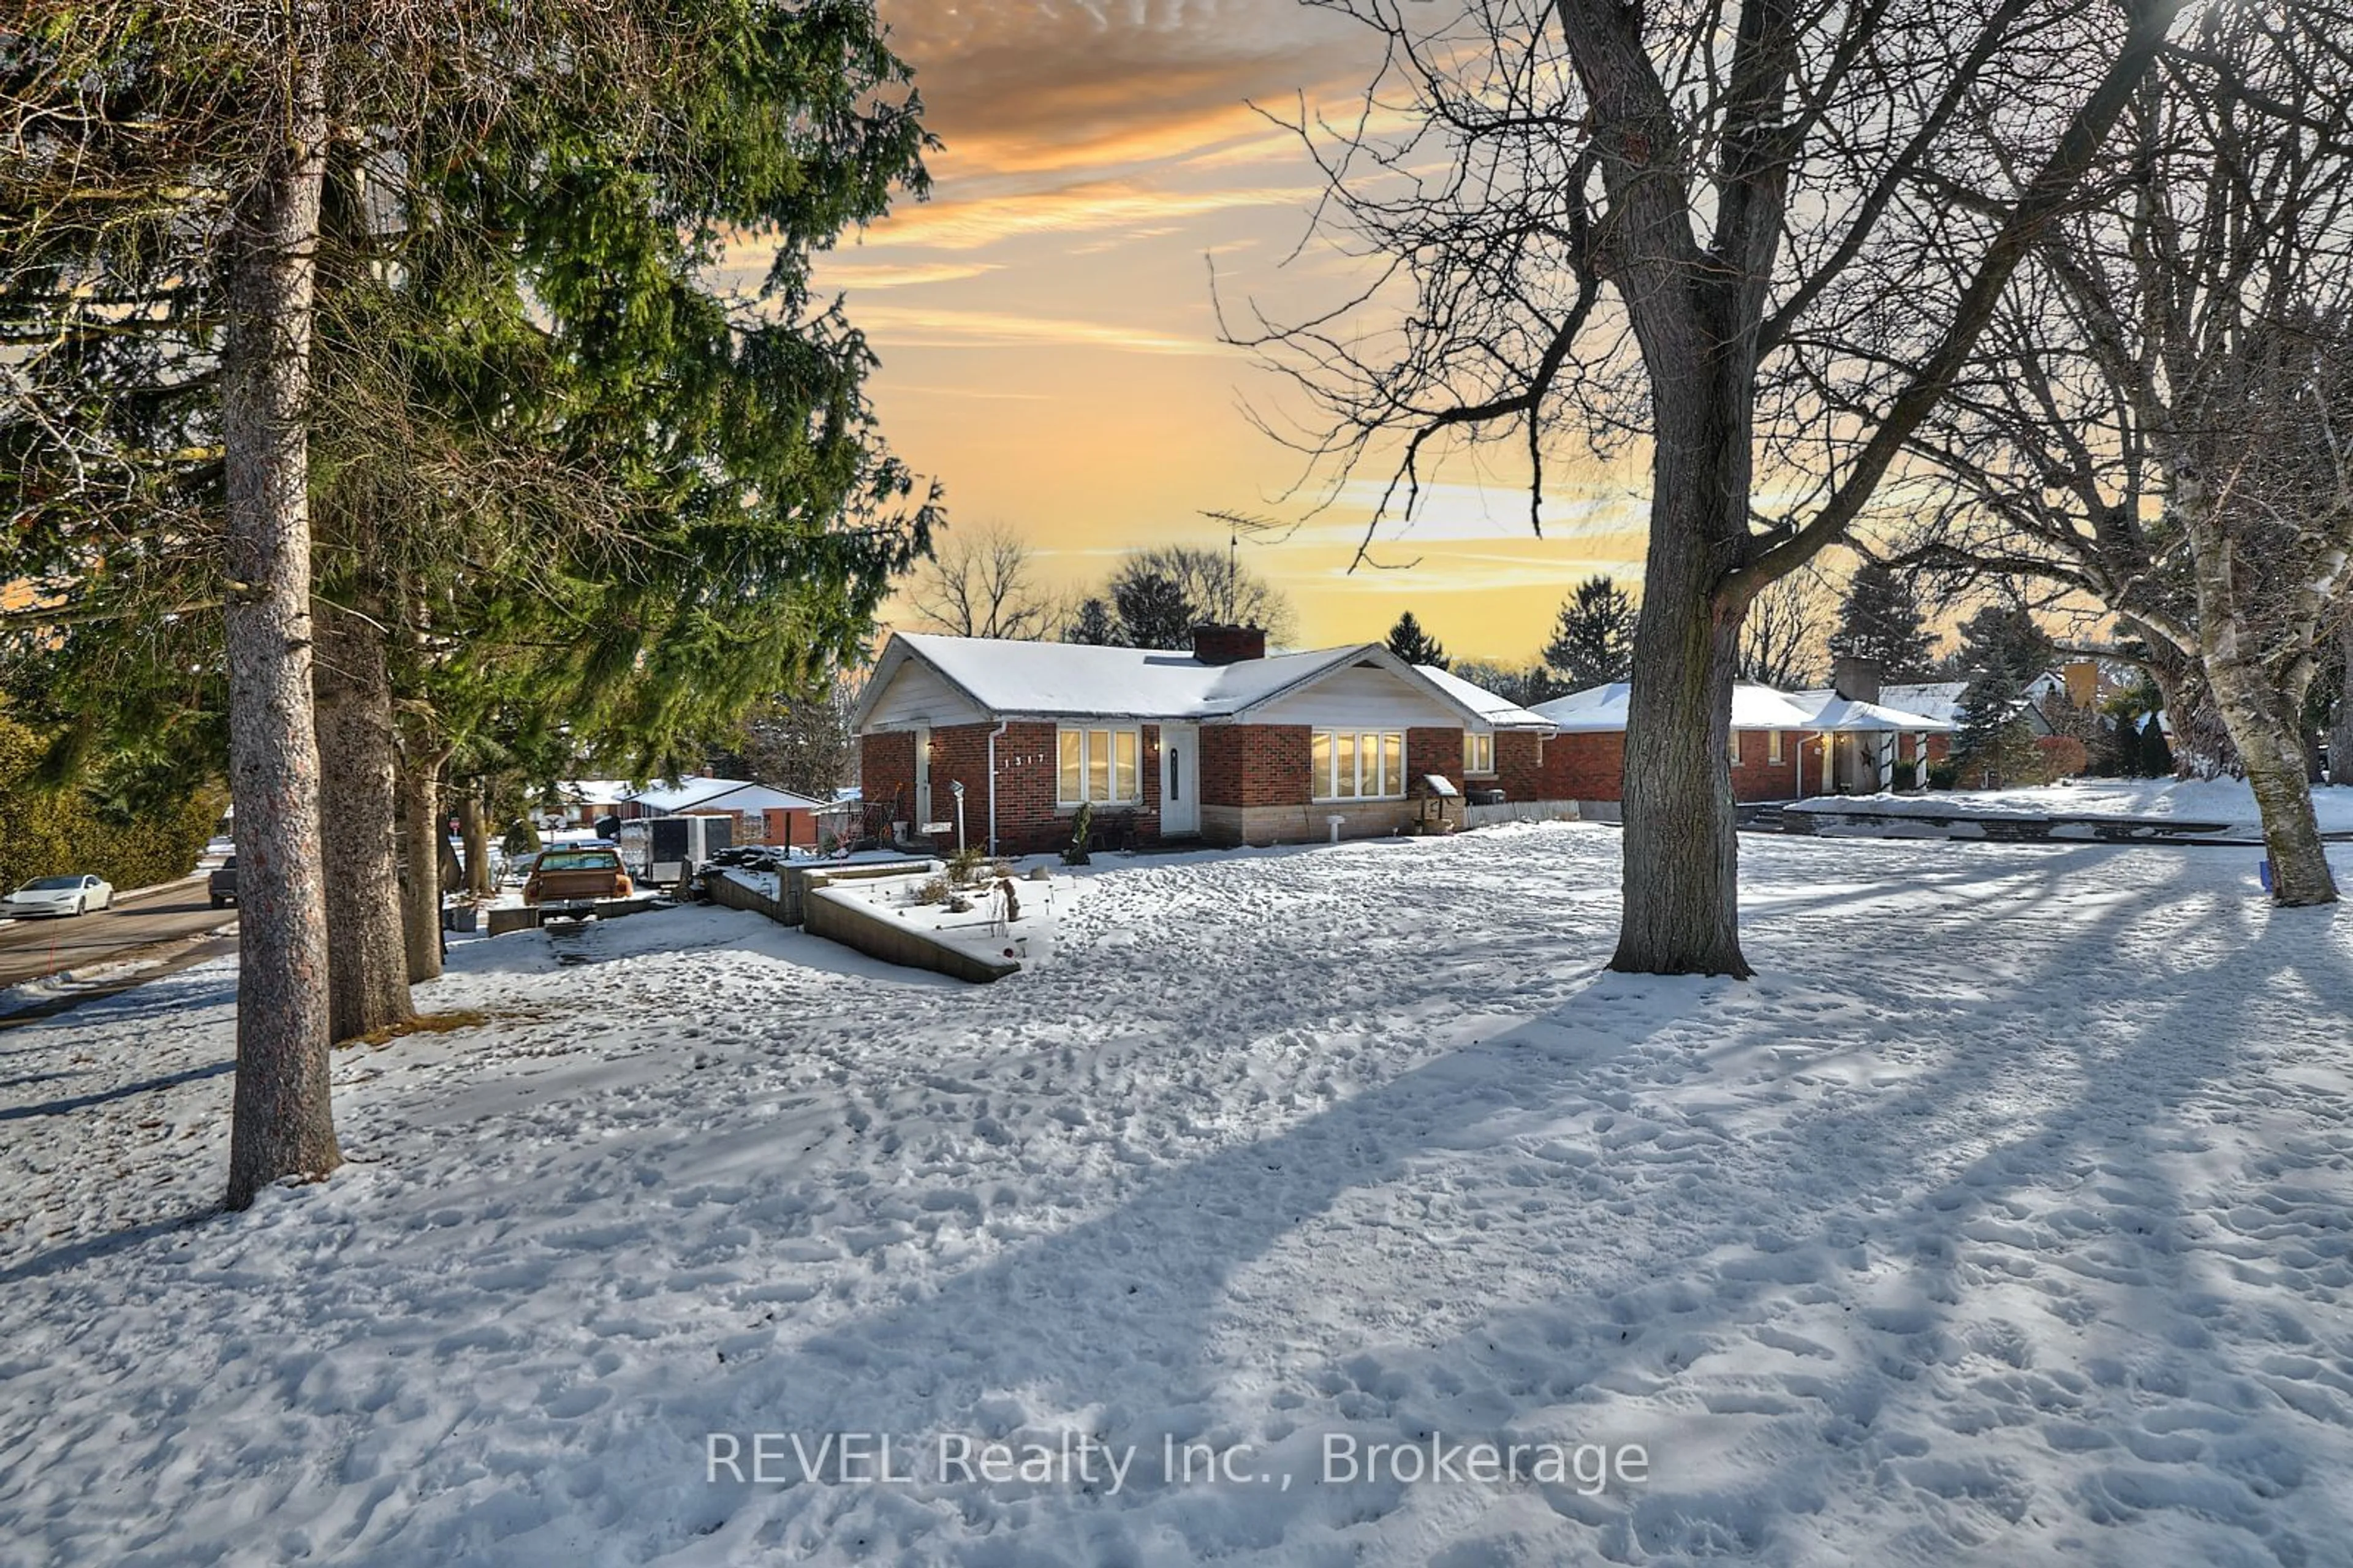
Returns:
(570, 876)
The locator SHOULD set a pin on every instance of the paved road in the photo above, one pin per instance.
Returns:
(32, 947)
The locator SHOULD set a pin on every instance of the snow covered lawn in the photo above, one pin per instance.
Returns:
(2007, 1219)
(2189, 800)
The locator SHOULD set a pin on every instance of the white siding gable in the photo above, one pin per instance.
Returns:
(1359, 698)
(917, 695)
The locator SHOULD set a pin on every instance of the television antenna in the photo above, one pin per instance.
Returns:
(1240, 525)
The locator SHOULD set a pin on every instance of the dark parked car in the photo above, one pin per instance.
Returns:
(222, 884)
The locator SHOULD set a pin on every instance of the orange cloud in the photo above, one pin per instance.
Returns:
(973, 223)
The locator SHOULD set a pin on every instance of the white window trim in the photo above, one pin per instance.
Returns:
(1085, 733)
(1315, 785)
(1468, 770)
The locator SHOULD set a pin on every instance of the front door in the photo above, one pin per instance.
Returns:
(1180, 780)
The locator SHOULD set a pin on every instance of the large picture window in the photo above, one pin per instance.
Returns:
(1099, 767)
(1477, 753)
(1359, 764)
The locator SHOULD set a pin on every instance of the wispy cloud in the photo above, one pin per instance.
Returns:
(1456, 514)
(975, 222)
(839, 274)
(1061, 84)
(916, 326)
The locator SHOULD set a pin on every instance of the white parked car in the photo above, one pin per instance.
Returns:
(59, 895)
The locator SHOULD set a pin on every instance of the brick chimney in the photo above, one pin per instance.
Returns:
(1214, 644)
(1855, 678)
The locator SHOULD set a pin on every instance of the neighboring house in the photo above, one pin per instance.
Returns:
(1785, 745)
(1587, 761)
(1227, 743)
(762, 816)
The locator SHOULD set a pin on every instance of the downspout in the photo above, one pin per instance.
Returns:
(992, 785)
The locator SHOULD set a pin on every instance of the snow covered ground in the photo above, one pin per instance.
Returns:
(2190, 800)
(2007, 1219)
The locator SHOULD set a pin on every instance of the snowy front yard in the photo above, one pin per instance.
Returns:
(2007, 1218)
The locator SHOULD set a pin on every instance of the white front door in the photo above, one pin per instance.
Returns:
(1180, 780)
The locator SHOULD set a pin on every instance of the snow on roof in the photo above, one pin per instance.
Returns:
(1933, 699)
(1601, 709)
(1849, 715)
(718, 794)
(1082, 680)
(1499, 712)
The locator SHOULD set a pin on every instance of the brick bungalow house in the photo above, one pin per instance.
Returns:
(1226, 744)
(1785, 745)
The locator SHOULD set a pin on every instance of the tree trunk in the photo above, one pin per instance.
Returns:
(367, 957)
(424, 841)
(282, 1122)
(2340, 734)
(474, 831)
(1680, 879)
(2262, 721)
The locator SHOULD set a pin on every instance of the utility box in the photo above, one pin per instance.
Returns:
(678, 846)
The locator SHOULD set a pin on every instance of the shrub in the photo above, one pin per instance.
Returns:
(522, 838)
(2063, 756)
(56, 830)
(934, 890)
(965, 865)
(1944, 775)
(1083, 828)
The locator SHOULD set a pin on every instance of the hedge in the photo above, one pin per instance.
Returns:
(47, 830)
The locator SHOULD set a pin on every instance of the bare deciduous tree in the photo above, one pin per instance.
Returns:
(2161, 415)
(1627, 221)
(1784, 640)
(983, 583)
(1218, 587)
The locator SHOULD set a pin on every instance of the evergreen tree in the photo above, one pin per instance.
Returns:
(2006, 638)
(591, 499)
(1412, 644)
(1991, 739)
(2155, 754)
(1092, 623)
(1881, 620)
(1593, 639)
(1153, 611)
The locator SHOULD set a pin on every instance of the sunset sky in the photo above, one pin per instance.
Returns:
(1048, 341)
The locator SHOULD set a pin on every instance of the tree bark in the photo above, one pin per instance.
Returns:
(473, 830)
(2340, 734)
(2263, 721)
(367, 956)
(1680, 875)
(424, 841)
(281, 1122)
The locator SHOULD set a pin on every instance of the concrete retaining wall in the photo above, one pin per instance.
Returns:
(1520, 811)
(842, 918)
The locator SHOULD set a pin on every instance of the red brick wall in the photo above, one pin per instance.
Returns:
(1519, 764)
(886, 772)
(1754, 775)
(1029, 764)
(1433, 751)
(1256, 764)
(1585, 767)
